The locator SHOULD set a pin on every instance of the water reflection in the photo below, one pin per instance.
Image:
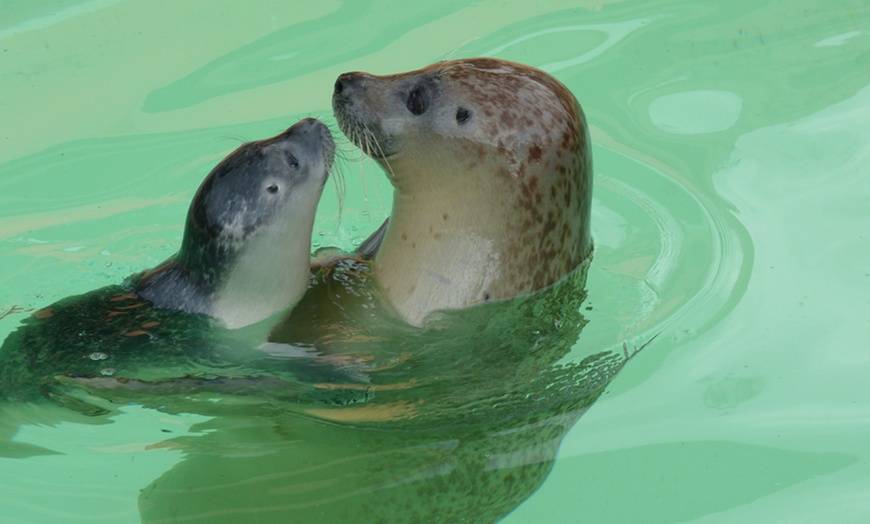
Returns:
(461, 420)
(346, 415)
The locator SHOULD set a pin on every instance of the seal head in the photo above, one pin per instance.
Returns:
(247, 240)
(492, 170)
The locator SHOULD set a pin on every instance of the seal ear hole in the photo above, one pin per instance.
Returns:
(416, 101)
(462, 115)
(272, 188)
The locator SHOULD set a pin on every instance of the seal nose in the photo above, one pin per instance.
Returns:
(303, 127)
(309, 122)
(310, 132)
(345, 81)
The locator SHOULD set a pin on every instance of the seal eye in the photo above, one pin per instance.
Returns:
(462, 115)
(272, 188)
(416, 101)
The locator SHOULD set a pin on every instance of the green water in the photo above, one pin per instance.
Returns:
(730, 216)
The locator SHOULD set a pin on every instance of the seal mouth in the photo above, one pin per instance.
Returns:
(368, 141)
(362, 135)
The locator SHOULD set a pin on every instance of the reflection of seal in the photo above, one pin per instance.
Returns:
(247, 240)
(491, 165)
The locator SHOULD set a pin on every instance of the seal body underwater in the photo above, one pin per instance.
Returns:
(492, 173)
(244, 257)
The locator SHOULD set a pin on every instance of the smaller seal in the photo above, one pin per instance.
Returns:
(247, 241)
(244, 257)
(492, 173)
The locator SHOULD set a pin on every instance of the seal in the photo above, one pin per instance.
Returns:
(492, 173)
(244, 258)
(246, 246)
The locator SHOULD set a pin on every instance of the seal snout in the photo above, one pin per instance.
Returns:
(349, 96)
(313, 135)
(345, 80)
(306, 125)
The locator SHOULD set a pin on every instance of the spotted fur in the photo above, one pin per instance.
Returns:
(493, 180)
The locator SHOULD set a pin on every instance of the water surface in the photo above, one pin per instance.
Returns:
(730, 217)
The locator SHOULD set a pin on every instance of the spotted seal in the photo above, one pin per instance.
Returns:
(492, 173)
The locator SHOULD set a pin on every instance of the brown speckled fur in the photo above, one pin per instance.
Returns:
(518, 177)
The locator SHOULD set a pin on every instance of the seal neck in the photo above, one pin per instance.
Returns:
(269, 276)
(443, 251)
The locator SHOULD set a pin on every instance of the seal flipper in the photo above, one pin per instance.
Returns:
(368, 249)
(329, 257)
